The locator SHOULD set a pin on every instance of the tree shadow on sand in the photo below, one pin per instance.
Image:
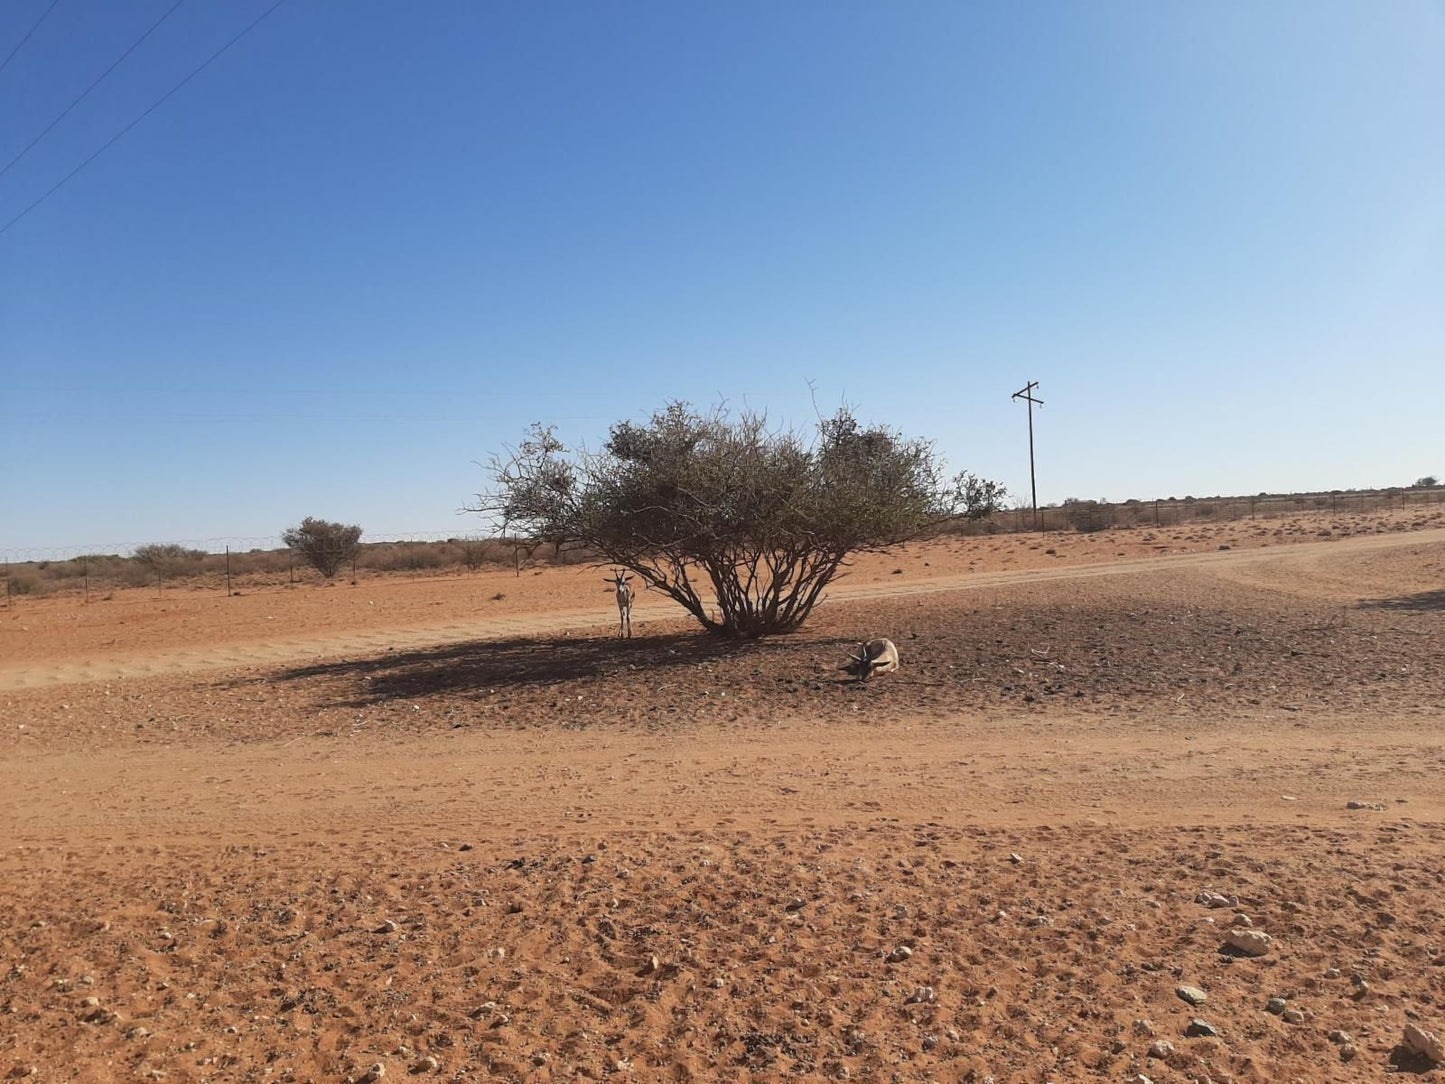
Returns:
(517, 663)
(1423, 602)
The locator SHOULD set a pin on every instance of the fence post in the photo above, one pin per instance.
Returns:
(1156, 511)
(291, 566)
(228, 571)
(85, 569)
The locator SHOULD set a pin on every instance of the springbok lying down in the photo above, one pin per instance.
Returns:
(872, 657)
(624, 602)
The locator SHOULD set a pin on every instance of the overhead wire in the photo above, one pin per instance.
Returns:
(34, 27)
(86, 92)
(145, 113)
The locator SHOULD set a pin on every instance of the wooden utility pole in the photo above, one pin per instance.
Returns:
(1026, 394)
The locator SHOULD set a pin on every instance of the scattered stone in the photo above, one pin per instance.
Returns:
(652, 966)
(375, 1073)
(497, 953)
(1118, 1046)
(1201, 1029)
(1162, 1049)
(387, 927)
(1249, 942)
(1144, 1029)
(930, 1041)
(1041, 920)
(622, 1065)
(514, 908)
(1378, 807)
(796, 904)
(1294, 1016)
(1140, 1078)
(922, 995)
(1215, 899)
(1276, 1005)
(1242, 919)
(1015, 859)
(1362, 990)
(1192, 994)
(1425, 1043)
(901, 953)
(137, 1033)
(1340, 1038)
(427, 1064)
(1348, 1052)
(1332, 973)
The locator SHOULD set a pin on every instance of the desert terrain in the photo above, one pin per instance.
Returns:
(454, 828)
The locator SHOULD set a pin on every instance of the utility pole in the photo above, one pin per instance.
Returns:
(1026, 394)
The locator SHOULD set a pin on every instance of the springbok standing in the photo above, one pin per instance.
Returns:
(872, 657)
(624, 602)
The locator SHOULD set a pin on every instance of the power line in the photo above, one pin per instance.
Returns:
(148, 111)
(86, 92)
(43, 16)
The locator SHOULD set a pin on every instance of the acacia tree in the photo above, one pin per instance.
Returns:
(323, 545)
(711, 504)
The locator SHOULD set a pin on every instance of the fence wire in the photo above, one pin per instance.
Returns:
(230, 564)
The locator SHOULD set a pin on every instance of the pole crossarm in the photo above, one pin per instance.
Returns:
(1026, 393)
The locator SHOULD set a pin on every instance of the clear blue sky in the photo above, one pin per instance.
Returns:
(374, 240)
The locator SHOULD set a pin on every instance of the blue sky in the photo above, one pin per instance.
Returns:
(373, 241)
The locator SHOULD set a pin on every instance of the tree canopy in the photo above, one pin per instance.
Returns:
(741, 523)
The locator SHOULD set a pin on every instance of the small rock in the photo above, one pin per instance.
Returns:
(1339, 1038)
(1348, 1052)
(1276, 1005)
(1426, 1043)
(1162, 1049)
(922, 995)
(427, 1064)
(1294, 1016)
(1144, 1029)
(1118, 1046)
(1215, 899)
(1249, 942)
(1041, 920)
(387, 927)
(1015, 859)
(622, 1065)
(1362, 990)
(1140, 1078)
(137, 1033)
(1243, 920)
(1192, 994)
(1332, 973)
(376, 1072)
(652, 965)
(1201, 1029)
(796, 904)
(901, 953)
(1378, 807)
(930, 1041)
(514, 908)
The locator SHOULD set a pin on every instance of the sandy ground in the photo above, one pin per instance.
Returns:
(547, 855)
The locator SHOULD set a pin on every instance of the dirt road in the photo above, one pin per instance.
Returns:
(676, 860)
(115, 662)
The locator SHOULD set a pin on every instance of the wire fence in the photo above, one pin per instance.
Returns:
(232, 565)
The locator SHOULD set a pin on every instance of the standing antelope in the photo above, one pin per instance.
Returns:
(624, 602)
(872, 657)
